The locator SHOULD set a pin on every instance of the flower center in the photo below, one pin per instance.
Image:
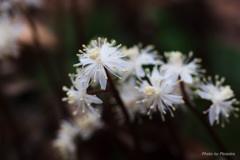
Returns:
(176, 58)
(149, 91)
(223, 94)
(94, 53)
(227, 92)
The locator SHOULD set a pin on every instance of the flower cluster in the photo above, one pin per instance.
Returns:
(180, 65)
(146, 82)
(159, 92)
(64, 143)
(77, 95)
(81, 127)
(88, 124)
(222, 98)
(97, 61)
(138, 57)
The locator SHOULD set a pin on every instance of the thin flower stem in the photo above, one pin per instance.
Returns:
(124, 110)
(203, 120)
(118, 98)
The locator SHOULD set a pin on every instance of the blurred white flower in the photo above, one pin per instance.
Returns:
(84, 126)
(180, 65)
(31, 3)
(158, 92)
(64, 142)
(139, 57)
(88, 124)
(13, 5)
(130, 95)
(101, 56)
(222, 98)
(8, 35)
(5, 6)
(78, 96)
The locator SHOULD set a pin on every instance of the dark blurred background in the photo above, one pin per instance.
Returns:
(31, 84)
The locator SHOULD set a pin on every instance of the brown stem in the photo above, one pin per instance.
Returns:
(118, 98)
(124, 110)
(203, 120)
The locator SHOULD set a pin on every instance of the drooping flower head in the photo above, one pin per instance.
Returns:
(180, 65)
(8, 35)
(77, 95)
(158, 92)
(222, 98)
(138, 57)
(98, 58)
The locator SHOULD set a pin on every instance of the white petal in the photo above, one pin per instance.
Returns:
(140, 72)
(186, 77)
(173, 98)
(94, 99)
(161, 106)
(204, 95)
(102, 79)
(217, 110)
(211, 115)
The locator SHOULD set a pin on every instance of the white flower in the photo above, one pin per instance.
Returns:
(179, 65)
(8, 34)
(159, 93)
(99, 57)
(65, 140)
(139, 57)
(222, 98)
(78, 96)
(130, 95)
(88, 124)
